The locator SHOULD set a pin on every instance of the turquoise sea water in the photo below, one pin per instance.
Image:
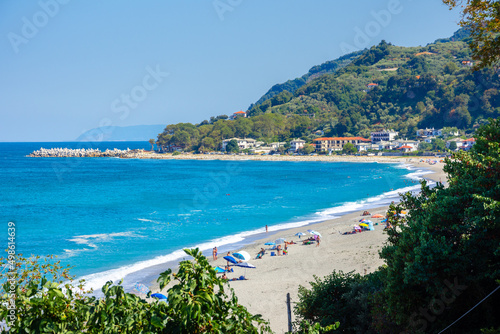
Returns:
(112, 217)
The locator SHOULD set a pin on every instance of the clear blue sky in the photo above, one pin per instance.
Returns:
(69, 66)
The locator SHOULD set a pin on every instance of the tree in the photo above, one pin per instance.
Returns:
(445, 259)
(307, 149)
(152, 142)
(349, 148)
(232, 146)
(482, 18)
(453, 146)
(438, 144)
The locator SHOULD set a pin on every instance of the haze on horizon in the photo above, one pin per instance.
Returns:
(69, 66)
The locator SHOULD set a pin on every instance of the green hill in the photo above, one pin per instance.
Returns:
(386, 86)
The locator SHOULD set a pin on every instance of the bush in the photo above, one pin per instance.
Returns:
(197, 303)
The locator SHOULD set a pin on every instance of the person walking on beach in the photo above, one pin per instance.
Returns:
(213, 254)
(266, 228)
(317, 241)
(279, 250)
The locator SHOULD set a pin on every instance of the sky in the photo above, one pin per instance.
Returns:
(68, 66)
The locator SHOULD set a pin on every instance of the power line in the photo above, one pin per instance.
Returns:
(498, 287)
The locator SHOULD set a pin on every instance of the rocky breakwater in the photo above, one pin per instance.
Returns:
(78, 153)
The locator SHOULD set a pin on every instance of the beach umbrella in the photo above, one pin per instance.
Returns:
(300, 234)
(377, 216)
(246, 265)
(270, 243)
(280, 240)
(230, 259)
(363, 224)
(361, 220)
(315, 233)
(370, 226)
(159, 296)
(219, 270)
(242, 255)
(141, 288)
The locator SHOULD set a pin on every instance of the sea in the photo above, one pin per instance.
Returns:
(113, 219)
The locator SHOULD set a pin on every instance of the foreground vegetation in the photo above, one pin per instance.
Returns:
(47, 302)
(440, 261)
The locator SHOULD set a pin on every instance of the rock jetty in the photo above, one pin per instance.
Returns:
(77, 153)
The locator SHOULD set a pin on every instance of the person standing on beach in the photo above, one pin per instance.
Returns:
(266, 228)
(215, 252)
(279, 250)
(317, 241)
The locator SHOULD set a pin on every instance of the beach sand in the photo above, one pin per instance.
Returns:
(274, 276)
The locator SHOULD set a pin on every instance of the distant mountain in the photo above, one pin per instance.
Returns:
(125, 133)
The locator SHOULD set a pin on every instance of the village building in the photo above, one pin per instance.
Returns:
(297, 144)
(422, 133)
(384, 135)
(337, 143)
(242, 143)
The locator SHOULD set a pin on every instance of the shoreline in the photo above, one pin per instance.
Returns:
(265, 290)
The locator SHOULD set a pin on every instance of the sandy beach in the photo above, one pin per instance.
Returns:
(264, 291)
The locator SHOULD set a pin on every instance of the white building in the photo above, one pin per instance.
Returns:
(297, 144)
(384, 135)
(277, 145)
(363, 147)
(462, 144)
(407, 145)
(429, 132)
(242, 143)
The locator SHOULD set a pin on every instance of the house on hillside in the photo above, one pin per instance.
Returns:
(371, 85)
(238, 114)
(422, 133)
(337, 143)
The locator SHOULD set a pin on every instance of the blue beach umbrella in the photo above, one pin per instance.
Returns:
(242, 255)
(219, 270)
(141, 288)
(159, 296)
(280, 240)
(246, 265)
(270, 243)
(230, 259)
(300, 234)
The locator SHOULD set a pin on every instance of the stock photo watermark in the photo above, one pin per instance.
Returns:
(11, 273)
(419, 321)
(365, 35)
(223, 6)
(32, 25)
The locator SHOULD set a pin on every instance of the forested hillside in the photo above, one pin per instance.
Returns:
(387, 86)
